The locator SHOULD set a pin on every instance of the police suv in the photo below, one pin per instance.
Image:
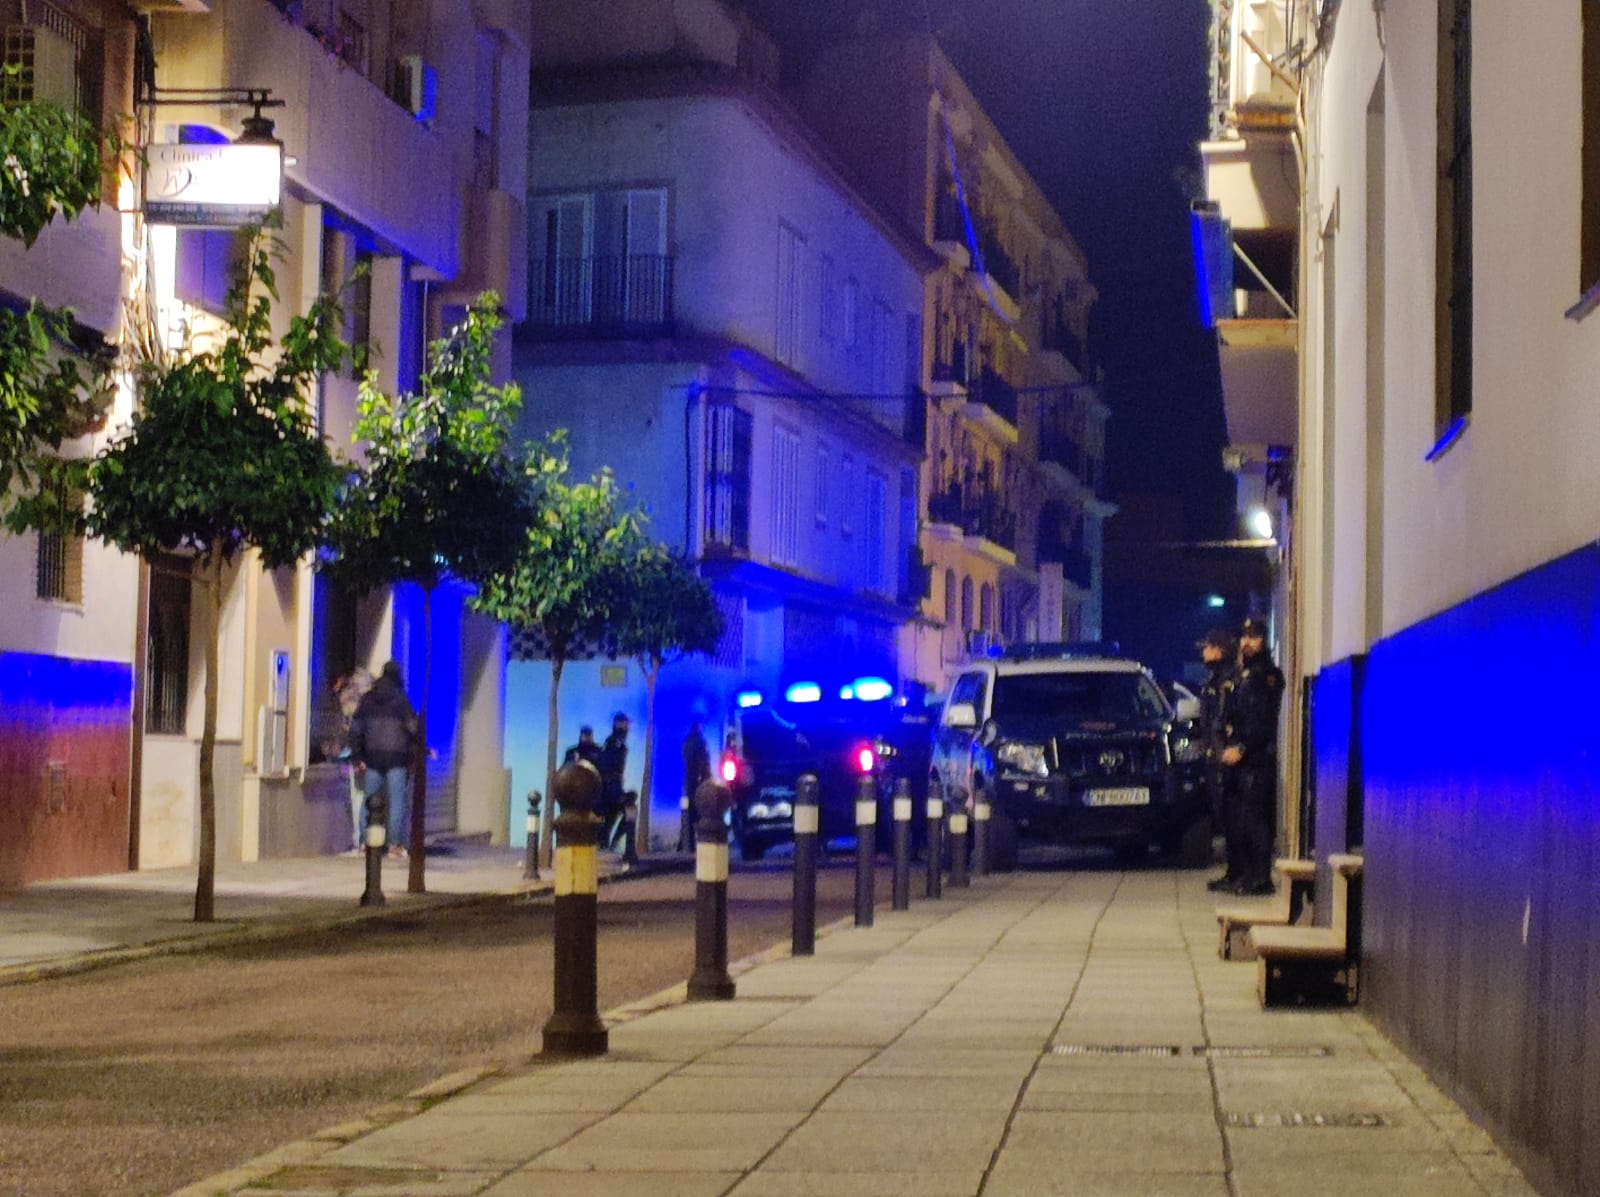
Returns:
(1073, 745)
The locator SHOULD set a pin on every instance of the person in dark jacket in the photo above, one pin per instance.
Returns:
(613, 763)
(585, 749)
(696, 769)
(1219, 652)
(1250, 751)
(383, 744)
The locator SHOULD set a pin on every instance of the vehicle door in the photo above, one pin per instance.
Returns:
(957, 738)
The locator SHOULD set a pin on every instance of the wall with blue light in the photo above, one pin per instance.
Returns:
(1481, 768)
(78, 713)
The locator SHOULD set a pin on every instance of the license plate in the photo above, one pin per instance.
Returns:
(1119, 796)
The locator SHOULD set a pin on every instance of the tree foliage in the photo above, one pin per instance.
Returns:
(224, 451)
(664, 610)
(52, 161)
(437, 492)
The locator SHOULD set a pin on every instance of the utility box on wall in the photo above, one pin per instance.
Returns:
(273, 721)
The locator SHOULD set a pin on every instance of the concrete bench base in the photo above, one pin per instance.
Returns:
(1295, 881)
(1306, 981)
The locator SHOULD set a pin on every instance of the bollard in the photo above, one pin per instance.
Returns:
(574, 1027)
(376, 847)
(902, 844)
(980, 836)
(710, 980)
(866, 847)
(685, 824)
(804, 939)
(958, 845)
(530, 866)
(935, 882)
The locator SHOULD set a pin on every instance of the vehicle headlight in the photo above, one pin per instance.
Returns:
(1186, 750)
(760, 810)
(782, 810)
(1023, 758)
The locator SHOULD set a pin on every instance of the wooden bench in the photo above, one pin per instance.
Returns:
(1296, 879)
(1317, 965)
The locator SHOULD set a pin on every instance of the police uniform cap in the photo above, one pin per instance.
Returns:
(1253, 626)
(1218, 638)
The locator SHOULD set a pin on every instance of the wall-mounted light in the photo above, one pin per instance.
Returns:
(1261, 523)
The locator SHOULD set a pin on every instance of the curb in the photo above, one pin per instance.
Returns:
(274, 927)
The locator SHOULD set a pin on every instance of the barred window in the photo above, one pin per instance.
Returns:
(58, 561)
(1453, 320)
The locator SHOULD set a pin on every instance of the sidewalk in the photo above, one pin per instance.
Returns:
(1039, 1034)
(67, 926)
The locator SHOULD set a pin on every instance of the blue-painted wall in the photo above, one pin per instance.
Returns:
(1480, 734)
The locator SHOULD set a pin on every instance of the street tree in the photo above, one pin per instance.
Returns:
(435, 495)
(663, 611)
(563, 583)
(224, 456)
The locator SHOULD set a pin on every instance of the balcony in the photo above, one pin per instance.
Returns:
(606, 296)
(1058, 450)
(1056, 336)
(977, 515)
(993, 402)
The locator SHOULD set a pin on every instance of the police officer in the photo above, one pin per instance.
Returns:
(1219, 652)
(1250, 753)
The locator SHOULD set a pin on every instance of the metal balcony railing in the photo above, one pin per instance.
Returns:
(998, 395)
(1061, 449)
(612, 295)
(1075, 563)
(976, 514)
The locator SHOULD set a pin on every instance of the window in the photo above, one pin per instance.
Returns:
(563, 232)
(966, 604)
(828, 291)
(601, 259)
(791, 251)
(949, 596)
(350, 42)
(986, 608)
(969, 688)
(728, 434)
(1453, 314)
(58, 561)
(847, 490)
(877, 499)
(51, 55)
(167, 647)
(208, 265)
(1590, 276)
(785, 496)
(822, 487)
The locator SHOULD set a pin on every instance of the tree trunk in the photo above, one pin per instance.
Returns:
(547, 817)
(416, 834)
(641, 832)
(205, 887)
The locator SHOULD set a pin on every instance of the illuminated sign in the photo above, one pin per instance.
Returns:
(212, 186)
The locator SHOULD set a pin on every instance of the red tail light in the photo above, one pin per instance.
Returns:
(866, 759)
(729, 769)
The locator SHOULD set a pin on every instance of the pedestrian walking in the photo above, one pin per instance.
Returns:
(696, 769)
(1219, 652)
(1250, 752)
(612, 763)
(384, 744)
(348, 691)
(585, 749)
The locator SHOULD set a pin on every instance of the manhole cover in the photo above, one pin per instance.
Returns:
(1264, 1053)
(1301, 1118)
(1115, 1049)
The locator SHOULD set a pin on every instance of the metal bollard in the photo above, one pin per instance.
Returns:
(902, 844)
(804, 939)
(376, 846)
(980, 836)
(710, 980)
(866, 848)
(958, 845)
(574, 1027)
(935, 882)
(530, 866)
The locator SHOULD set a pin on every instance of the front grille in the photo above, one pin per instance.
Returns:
(1109, 760)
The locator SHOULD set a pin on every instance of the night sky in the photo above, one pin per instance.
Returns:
(1104, 101)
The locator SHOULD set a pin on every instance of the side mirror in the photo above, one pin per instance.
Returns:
(1188, 710)
(962, 715)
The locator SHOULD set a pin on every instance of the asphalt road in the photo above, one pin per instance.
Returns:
(138, 1079)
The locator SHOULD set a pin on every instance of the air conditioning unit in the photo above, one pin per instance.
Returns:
(44, 66)
(418, 87)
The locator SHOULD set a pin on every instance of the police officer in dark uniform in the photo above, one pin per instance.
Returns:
(1219, 651)
(1250, 753)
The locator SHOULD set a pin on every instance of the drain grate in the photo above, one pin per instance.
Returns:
(1300, 1118)
(1116, 1049)
(1264, 1053)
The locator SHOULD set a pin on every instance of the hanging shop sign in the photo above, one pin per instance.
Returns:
(212, 186)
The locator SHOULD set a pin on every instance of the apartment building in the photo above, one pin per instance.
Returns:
(1428, 177)
(717, 314)
(398, 157)
(1014, 468)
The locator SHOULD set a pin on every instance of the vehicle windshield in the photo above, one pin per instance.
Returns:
(1077, 697)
